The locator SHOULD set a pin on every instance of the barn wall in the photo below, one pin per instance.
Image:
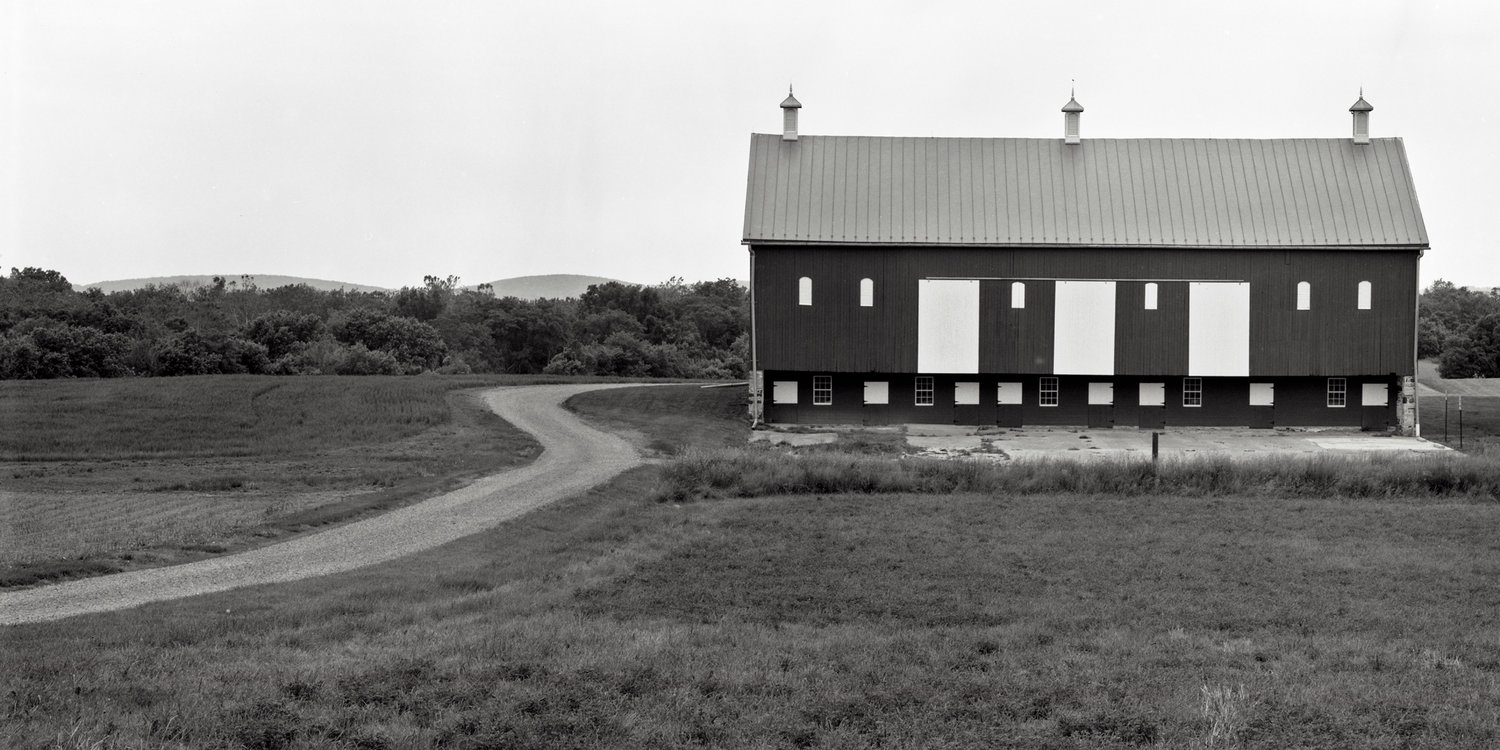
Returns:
(1333, 338)
(1300, 401)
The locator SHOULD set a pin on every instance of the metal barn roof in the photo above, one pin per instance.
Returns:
(1206, 192)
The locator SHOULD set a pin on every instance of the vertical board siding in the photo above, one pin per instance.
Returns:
(1299, 401)
(1151, 341)
(836, 334)
(1016, 340)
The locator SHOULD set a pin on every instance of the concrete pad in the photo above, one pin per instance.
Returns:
(938, 430)
(946, 442)
(1377, 444)
(795, 439)
(1128, 443)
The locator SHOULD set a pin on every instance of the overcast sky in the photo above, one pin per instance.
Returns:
(376, 142)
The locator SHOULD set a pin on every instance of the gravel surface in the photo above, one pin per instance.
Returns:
(575, 457)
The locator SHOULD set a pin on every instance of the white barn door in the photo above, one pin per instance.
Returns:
(947, 326)
(1083, 334)
(1219, 329)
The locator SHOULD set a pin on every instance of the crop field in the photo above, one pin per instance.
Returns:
(664, 611)
(106, 475)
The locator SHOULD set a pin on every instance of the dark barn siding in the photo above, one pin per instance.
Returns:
(1015, 340)
(1151, 341)
(1333, 338)
(1300, 402)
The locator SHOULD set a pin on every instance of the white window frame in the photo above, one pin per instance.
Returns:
(1364, 295)
(1304, 295)
(1018, 295)
(866, 292)
(1192, 392)
(1338, 393)
(924, 389)
(1047, 391)
(822, 390)
(804, 291)
(1150, 302)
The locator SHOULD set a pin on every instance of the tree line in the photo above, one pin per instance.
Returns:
(672, 329)
(1460, 328)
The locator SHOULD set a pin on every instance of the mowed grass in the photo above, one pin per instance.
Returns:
(106, 475)
(966, 619)
(214, 415)
(670, 420)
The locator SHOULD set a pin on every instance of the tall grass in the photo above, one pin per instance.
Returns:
(749, 472)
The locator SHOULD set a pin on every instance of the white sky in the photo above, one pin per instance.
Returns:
(375, 142)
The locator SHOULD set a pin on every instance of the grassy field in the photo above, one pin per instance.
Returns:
(105, 475)
(1480, 419)
(966, 619)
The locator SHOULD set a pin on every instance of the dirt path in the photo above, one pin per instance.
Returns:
(575, 457)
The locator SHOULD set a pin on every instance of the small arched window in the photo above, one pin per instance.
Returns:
(1364, 295)
(804, 291)
(1018, 295)
(1304, 295)
(866, 292)
(1150, 295)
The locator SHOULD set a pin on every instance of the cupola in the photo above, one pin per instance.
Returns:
(789, 108)
(1072, 113)
(1361, 111)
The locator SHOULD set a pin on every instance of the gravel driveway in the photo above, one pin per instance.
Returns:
(575, 457)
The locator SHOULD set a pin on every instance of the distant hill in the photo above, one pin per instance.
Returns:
(551, 286)
(554, 286)
(264, 282)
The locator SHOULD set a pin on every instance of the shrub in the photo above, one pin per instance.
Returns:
(415, 345)
(362, 361)
(194, 353)
(283, 332)
(44, 348)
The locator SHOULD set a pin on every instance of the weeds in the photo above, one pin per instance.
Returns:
(751, 472)
(1225, 709)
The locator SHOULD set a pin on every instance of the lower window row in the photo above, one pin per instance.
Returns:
(1151, 394)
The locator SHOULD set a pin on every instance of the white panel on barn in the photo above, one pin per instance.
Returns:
(948, 325)
(877, 392)
(1262, 394)
(965, 393)
(1008, 394)
(1219, 328)
(1153, 394)
(1083, 334)
(1373, 394)
(784, 392)
(1101, 394)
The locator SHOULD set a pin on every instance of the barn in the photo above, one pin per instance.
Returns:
(1142, 282)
